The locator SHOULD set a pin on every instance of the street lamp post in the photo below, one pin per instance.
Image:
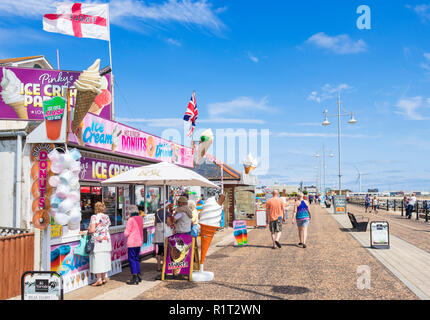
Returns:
(339, 133)
(324, 166)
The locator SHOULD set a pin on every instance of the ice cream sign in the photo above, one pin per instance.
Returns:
(23, 92)
(102, 134)
(99, 170)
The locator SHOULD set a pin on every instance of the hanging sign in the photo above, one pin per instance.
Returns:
(41, 285)
(379, 235)
(40, 189)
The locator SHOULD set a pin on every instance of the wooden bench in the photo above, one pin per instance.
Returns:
(359, 224)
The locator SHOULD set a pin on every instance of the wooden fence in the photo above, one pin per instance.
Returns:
(16, 257)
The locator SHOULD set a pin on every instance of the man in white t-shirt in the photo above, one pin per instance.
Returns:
(411, 205)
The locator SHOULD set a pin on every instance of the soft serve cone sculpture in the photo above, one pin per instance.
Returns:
(210, 219)
(249, 163)
(88, 86)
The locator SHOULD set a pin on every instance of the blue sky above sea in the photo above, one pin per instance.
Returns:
(262, 65)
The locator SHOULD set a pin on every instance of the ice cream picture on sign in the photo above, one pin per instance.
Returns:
(11, 93)
(53, 112)
(88, 85)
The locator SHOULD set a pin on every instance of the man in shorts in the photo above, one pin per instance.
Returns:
(275, 214)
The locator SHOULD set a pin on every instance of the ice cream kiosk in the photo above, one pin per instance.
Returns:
(79, 145)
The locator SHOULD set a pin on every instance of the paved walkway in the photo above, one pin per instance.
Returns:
(415, 232)
(407, 262)
(327, 269)
(117, 289)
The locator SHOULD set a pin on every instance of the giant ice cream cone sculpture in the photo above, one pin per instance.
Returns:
(210, 218)
(11, 93)
(88, 86)
(249, 163)
(206, 140)
(206, 233)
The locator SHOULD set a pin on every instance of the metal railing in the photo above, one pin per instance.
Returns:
(421, 208)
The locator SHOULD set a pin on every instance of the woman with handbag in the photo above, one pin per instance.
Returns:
(100, 257)
(134, 234)
(302, 215)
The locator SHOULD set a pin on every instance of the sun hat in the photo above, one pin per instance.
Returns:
(183, 199)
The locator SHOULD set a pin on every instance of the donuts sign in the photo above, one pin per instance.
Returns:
(41, 190)
(115, 137)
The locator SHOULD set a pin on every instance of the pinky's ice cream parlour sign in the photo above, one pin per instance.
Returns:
(23, 92)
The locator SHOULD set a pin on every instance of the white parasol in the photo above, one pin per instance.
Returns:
(160, 174)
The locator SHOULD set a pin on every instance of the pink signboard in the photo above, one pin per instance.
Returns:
(103, 134)
(23, 90)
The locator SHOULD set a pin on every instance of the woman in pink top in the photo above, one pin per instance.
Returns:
(134, 235)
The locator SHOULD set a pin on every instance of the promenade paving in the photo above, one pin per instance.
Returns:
(117, 289)
(327, 269)
(404, 259)
(415, 232)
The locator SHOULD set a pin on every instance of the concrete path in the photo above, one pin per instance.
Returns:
(327, 269)
(117, 289)
(407, 262)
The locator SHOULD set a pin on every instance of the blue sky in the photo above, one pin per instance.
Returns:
(265, 65)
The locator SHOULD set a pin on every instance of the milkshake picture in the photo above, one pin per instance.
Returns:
(53, 112)
(11, 93)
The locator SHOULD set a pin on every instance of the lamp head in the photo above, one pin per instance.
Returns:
(352, 120)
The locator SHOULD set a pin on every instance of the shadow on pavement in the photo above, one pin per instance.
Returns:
(290, 289)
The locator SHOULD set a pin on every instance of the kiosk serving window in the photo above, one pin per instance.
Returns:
(153, 198)
(113, 198)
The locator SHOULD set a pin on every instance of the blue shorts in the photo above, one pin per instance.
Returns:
(302, 223)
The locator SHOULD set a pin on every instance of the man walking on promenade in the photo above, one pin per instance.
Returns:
(411, 205)
(275, 214)
(367, 202)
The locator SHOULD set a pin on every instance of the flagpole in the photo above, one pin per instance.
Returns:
(110, 60)
(58, 60)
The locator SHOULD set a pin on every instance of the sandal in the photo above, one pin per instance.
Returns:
(97, 284)
(105, 280)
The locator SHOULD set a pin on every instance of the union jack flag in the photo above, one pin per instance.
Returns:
(191, 113)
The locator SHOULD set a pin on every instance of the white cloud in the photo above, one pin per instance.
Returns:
(422, 10)
(340, 44)
(239, 105)
(319, 135)
(426, 65)
(173, 42)
(327, 91)
(186, 12)
(252, 57)
(409, 107)
(178, 123)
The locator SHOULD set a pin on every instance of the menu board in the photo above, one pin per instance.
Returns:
(245, 203)
(379, 235)
(41, 285)
(339, 204)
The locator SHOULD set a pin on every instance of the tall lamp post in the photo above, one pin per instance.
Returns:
(327, 123)
(324, 166)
